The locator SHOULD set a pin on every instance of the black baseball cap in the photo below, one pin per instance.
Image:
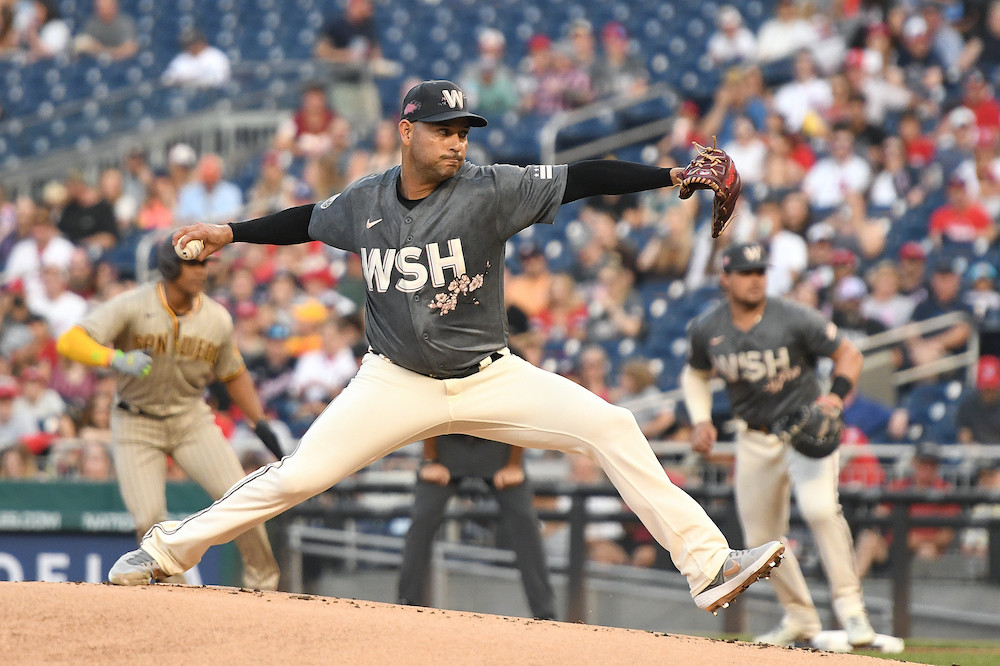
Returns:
(435, 102)
(745, 257)
(953, 265)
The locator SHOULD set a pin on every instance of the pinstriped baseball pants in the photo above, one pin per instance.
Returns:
(194, 441)
(386, 407)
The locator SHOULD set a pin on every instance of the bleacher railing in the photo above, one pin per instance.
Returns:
(549, 134)
(966, 359)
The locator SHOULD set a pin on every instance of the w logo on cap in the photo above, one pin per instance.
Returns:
(753, 252)
(453, 98)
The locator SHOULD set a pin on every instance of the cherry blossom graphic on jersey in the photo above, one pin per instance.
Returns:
(461, 287)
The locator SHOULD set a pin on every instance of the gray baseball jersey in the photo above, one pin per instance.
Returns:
(435, 301)
(188, 352)
(770, 370)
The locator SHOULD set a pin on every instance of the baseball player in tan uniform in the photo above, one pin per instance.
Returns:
(167, 340)
(431, 234)
(766, 349)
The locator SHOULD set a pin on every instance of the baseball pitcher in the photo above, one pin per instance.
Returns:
(431, 235)
(168, 340)
(765, 349)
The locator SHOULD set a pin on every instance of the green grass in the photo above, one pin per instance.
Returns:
(946, 653)
(939, 652)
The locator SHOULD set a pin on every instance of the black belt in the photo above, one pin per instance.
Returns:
(766, 429)
(482, 365)
(775, 427)
(135, 411)
(465, 372)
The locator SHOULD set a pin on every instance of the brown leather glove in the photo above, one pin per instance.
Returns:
(713, 169)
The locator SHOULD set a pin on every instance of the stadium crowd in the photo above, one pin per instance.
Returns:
(867, 135)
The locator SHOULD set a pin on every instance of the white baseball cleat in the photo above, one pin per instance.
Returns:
(741, 569)
(135, 568)
(785, 635)
(859, 630)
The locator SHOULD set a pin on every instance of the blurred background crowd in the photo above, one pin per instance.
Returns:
(867, 134)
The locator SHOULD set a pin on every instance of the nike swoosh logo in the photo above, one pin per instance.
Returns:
(716, 340)
(371, 223)
(733, 570)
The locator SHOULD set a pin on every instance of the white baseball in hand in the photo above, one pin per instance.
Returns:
(189, 251)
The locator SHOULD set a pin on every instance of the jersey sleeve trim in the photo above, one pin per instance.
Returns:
(233, 376)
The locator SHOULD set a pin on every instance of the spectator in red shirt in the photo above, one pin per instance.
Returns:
(565, 315)
(307, 132)
(863, 469)
(926, 543)
(919, 148)
(979, 97)
(961, 219)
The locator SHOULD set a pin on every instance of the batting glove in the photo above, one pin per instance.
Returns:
(266, 435)
(135, 363)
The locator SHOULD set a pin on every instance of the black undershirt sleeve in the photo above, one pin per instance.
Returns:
(592, 177)
(286, 227)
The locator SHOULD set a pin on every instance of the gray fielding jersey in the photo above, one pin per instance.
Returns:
(770, 370)
(435, 298)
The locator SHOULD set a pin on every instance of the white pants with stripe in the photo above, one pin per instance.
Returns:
(386, 407)
(194, 441)
(767, 473)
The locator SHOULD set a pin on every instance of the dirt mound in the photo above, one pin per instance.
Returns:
(74, 623)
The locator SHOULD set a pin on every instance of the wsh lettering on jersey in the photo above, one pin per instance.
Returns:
(415, 266)
(770, 369)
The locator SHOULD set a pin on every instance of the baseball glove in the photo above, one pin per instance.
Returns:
(815, 430)
(713, 169)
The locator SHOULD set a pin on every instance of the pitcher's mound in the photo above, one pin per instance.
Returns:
(79, 623)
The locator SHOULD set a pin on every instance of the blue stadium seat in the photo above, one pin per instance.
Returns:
(932, 409)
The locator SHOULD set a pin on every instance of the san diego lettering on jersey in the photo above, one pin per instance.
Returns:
(187, 346)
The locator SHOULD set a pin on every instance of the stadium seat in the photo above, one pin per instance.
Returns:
(932, 409)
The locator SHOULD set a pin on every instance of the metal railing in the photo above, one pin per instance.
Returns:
(549, 134)
(965, 359)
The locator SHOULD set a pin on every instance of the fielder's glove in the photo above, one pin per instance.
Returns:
(713, 169)
(135, 363)
(815, 430)
(266, 435)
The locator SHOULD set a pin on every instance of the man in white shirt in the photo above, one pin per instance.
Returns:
(13, 424)
(199, 65)
(41, 403)
(784, 34)
(43, 247)
(805, 96)
(208, 198)
(733, 42)
(320, 375)
(832, 178)
(57, 305)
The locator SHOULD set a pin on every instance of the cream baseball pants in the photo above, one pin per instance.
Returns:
(386, 407)
(767, 473)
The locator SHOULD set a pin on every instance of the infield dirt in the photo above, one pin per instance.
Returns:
(80, 623)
